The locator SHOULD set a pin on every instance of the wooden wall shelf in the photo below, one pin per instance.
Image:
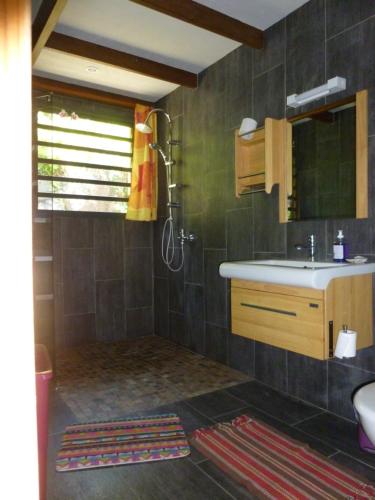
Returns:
(258, 160)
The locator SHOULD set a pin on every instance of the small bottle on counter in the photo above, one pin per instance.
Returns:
(340, 248)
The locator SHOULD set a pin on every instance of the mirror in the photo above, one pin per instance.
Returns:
(327, 161)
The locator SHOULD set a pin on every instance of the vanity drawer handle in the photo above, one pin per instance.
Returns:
(271, 309)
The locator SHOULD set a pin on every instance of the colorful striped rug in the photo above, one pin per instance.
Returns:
(271, 465)
(120, 442)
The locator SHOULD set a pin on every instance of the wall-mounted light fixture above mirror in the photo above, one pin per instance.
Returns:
(333, 85)
(327, 162)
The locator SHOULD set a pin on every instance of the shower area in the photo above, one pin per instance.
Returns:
(94, 272)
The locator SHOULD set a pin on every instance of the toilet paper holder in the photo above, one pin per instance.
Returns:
(346, 343)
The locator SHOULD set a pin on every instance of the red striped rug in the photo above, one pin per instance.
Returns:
(271, 465)
(120, 442)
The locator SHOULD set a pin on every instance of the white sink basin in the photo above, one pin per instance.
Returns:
(292, 272)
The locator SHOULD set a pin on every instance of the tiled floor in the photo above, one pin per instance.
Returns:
(194, 477)
(104, 381)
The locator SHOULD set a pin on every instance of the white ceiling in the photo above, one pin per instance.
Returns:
(125, 26)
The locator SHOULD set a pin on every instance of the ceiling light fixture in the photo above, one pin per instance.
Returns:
(333, 85)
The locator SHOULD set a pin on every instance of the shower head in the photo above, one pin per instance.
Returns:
(145, 128)
(155, 146)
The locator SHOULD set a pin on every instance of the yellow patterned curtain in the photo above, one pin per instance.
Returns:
(143, 197)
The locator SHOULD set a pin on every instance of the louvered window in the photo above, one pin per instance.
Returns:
(83, 158)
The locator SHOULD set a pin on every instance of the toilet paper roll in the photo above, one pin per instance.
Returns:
(346, 344)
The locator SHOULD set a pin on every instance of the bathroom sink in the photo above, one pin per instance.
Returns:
(292, 272)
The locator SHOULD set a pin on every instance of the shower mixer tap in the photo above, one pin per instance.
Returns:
(182, 236)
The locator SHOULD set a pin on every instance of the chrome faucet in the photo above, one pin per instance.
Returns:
(311, 246)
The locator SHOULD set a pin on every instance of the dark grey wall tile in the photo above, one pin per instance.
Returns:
(269, 255)
(269, 95)
(342, 15)
(342, 382)
(110, 310)
(57, 249)
(305, 48)
(215, 288)
(271, 365)
(43, 277)
(160, 269)
(176, 287)
(274, 51)
(78, 277)
(269, 235)
(79, 330)
(214, 208)
(216, 343)
(237, 64)
(307, 379)
(108, 248)
(137, 234)
(139, 322)
(364, 359)
(194, 318)
(237, 86)
(173, 103)
(58, 306)
(177, 327)
(192, 112)
(138, 278)
(240, 234)
(42, 239)
(348, 55)
(76, 231)
(161, 307)
(193, 267)
(236, 109)
(214, 230)
(241, 353)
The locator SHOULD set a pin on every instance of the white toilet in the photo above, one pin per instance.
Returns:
(364, 404)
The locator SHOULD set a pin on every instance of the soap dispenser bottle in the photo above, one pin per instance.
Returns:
(340, 248)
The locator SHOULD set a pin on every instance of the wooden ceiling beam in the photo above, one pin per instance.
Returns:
(69, 89)
(44, 23)
(130, 62)
(211, 20)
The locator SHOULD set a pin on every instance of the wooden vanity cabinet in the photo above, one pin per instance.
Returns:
(303, 320)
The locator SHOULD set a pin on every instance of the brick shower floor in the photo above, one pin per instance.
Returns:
(104, 381)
